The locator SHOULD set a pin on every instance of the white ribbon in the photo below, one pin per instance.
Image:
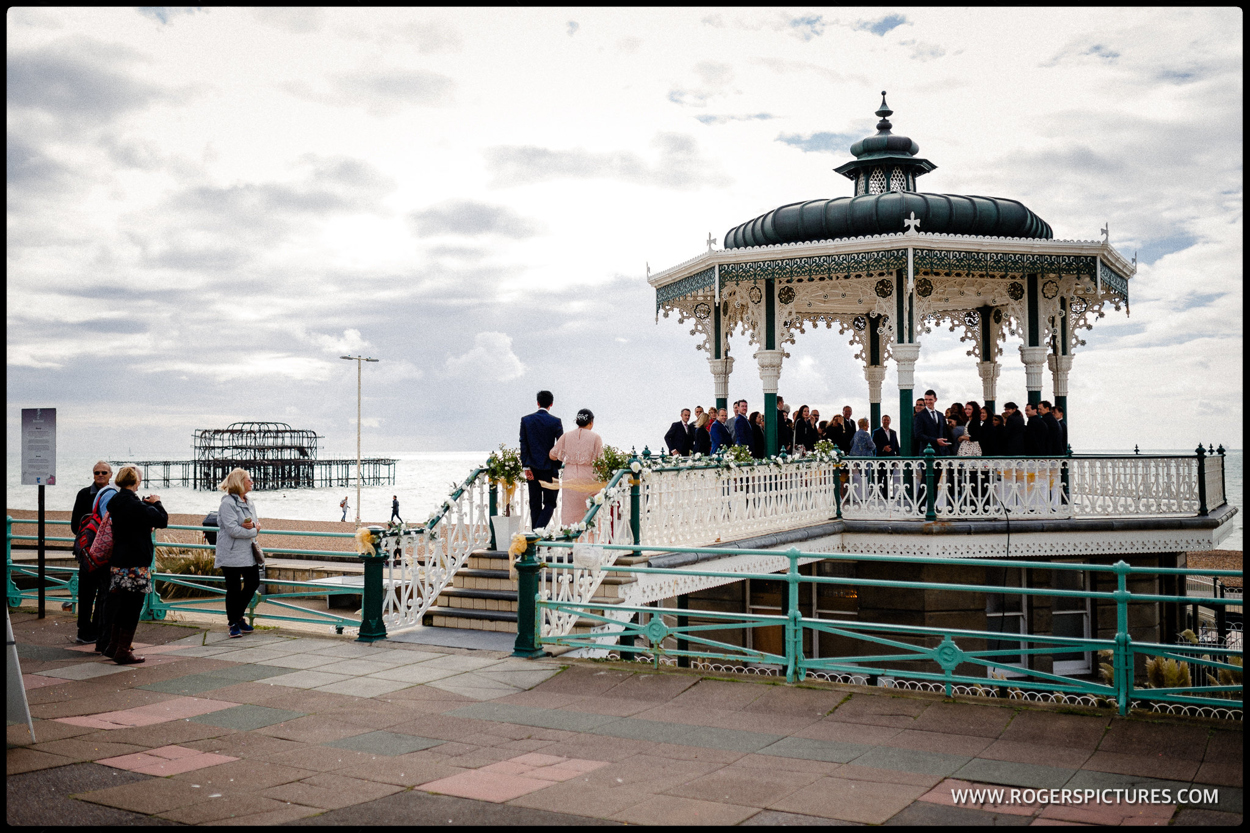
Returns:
(589, 557)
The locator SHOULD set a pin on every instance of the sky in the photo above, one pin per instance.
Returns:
(207, 208)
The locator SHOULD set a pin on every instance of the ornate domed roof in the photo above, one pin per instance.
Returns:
(884, 172)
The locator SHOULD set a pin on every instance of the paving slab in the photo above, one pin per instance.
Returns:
(816, 750)
(458, 638)
(414, 674)
(1153, 765)
(85, 670)
(676, 811)
(330, 791)
(306, 679)
(879, 710)
(166, 760)
(302, 661)
(417, 808)
(155, 795)
(1014, 774)
(312, 728)
(912, 760)
(247, 717)
(530, 716)
(839, 798)
(775, 818)
(251, 775)
(35, 798)
(385, 743)
(364, 687)
(226, 808)
(249, 673)
(190, 684)
(924, 814)
(744, 785)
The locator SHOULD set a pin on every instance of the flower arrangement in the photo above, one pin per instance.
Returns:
(826, 447)
(610, 461)
(740, 454)
(504, 467)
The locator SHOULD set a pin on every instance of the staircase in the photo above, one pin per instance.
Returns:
(482, 597)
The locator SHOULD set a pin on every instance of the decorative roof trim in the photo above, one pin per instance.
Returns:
(1118, 264)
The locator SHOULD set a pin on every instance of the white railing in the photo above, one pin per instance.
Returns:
(705, 505)
(1128, 486)
(609, 524)
(1214, 469)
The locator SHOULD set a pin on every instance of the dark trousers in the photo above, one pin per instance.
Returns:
(542, 501)
(395, 516)
(92, 589)
(241, 583)
(124, 607)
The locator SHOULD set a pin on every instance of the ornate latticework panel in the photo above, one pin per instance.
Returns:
(677, 289)
(876, 182)
(898, 180)
(985, 264)
(811, 269)
(1118, 284)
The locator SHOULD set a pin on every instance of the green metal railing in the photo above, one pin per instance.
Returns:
(155, 608)
(893, 644)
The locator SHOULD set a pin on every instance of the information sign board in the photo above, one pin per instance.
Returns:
(38, 446)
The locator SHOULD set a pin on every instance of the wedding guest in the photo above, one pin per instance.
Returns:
(804, 430)
(702, 437)
(130, 567)
(92, 587)
(719, 432)
(578, 450)
(236, 557)
(757, 435)
(862, 444)
(680, 436)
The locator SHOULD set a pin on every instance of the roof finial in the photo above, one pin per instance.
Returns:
(884, 112)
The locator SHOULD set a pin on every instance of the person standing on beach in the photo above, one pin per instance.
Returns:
(235, 557)
(395, 509)
(92, 588)
(539, 432)
(344, 505)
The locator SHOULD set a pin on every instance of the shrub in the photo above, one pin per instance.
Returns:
(610, 461)
(186, 563)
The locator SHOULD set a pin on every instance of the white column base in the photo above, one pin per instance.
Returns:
(875, 374)
(1059, 367)
(1034, 359)
(906, 356)
(770, 368)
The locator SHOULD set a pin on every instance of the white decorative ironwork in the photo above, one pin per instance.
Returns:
(1134, 486)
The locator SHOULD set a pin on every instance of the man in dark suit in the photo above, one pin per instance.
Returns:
(1063, 427)
(539, 432)
(680, 436)
(846, 434)
(1013, 432)
(1055, 446)
(928, 427)
(886, 441)
(1036, 437)
(719, 433)
(743, 435)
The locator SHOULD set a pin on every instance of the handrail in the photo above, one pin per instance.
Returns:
(932, 655)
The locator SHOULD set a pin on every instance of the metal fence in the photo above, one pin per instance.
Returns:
(949, 657)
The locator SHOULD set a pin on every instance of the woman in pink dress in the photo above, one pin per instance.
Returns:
(578, 449)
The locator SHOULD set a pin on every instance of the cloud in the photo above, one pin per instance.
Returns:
(680, 164)
(296, 21)
(165, 13)
(349, 342)
(469, 218)
(433, 36)
(809, 27)
(1080, 50)
(823, 142)
(709, 119)
(572, 28)
(490, 359)
(76, 82)
(923, 51)
(881, 26)
(381, 92)
(251, 367)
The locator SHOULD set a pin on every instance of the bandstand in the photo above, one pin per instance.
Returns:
(887, 265)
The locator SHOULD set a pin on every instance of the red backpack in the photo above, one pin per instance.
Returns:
(84, 545)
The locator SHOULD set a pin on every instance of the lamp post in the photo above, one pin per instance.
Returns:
(357, 360)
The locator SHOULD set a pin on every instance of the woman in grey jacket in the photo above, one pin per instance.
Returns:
(236, 519)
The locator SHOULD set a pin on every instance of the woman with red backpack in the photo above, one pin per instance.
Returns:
(130, 566)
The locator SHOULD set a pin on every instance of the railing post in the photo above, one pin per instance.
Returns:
(1122, 661)
(153, 605)
(794, 627)
(930, 485)
(683, 644)
(14, 596)
(1223, 469)
(837, 490)
(1065, 479)
(493, 511)
(527, 621)
(1202, 480)
(372, 625)
(635, 501)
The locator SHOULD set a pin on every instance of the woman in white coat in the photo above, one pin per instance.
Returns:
(236, 559)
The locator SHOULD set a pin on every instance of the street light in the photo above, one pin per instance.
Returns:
(357, 360)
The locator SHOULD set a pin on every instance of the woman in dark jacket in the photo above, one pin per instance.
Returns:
(757, 435)
(130, 567)
(702, 435)
(804, 431)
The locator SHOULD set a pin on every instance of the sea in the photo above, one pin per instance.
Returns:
(422, 481)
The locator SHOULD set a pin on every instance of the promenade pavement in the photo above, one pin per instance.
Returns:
(275, 728)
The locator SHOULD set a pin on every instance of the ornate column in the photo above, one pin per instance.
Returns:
(1059, 368)
(770, 373)
(1034, 359)
(721, 368)
(989, 382)
(905, 355)
(875, 374)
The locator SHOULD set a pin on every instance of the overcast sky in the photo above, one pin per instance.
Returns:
(207, 208)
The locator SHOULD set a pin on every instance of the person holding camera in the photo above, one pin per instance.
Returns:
(130, 566)
(238, 555)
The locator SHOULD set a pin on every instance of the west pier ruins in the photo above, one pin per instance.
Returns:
(277, 456)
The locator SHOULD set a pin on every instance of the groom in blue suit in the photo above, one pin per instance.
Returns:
(539, 432)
